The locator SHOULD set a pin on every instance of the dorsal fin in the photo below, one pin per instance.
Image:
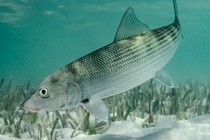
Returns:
(130, 26)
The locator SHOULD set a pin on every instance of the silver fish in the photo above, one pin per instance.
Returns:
(136, 55)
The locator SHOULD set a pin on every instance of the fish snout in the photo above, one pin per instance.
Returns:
(30, 107)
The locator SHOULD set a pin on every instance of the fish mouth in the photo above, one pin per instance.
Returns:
(25, 105)
(32, 109)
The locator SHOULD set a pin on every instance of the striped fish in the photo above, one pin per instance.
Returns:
(136, 55)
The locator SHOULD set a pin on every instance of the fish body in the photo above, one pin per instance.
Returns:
(136, 55)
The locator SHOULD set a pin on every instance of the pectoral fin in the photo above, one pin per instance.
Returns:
(164, 78)
(96, 108)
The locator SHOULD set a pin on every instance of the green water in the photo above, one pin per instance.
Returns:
(38, 37)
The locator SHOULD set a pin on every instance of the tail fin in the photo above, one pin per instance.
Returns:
(175, 10)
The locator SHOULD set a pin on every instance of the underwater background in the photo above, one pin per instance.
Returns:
(37, 37)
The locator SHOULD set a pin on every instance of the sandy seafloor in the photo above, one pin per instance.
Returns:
(167, 128)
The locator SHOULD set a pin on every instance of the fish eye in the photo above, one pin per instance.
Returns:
(44, 93)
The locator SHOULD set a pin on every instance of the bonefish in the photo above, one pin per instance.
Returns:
(136, 55)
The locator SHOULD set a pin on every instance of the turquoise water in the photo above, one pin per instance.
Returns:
(38, 37)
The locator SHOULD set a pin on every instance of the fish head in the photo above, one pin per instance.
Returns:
(54, 92)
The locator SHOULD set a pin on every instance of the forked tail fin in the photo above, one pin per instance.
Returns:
(175, 10)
